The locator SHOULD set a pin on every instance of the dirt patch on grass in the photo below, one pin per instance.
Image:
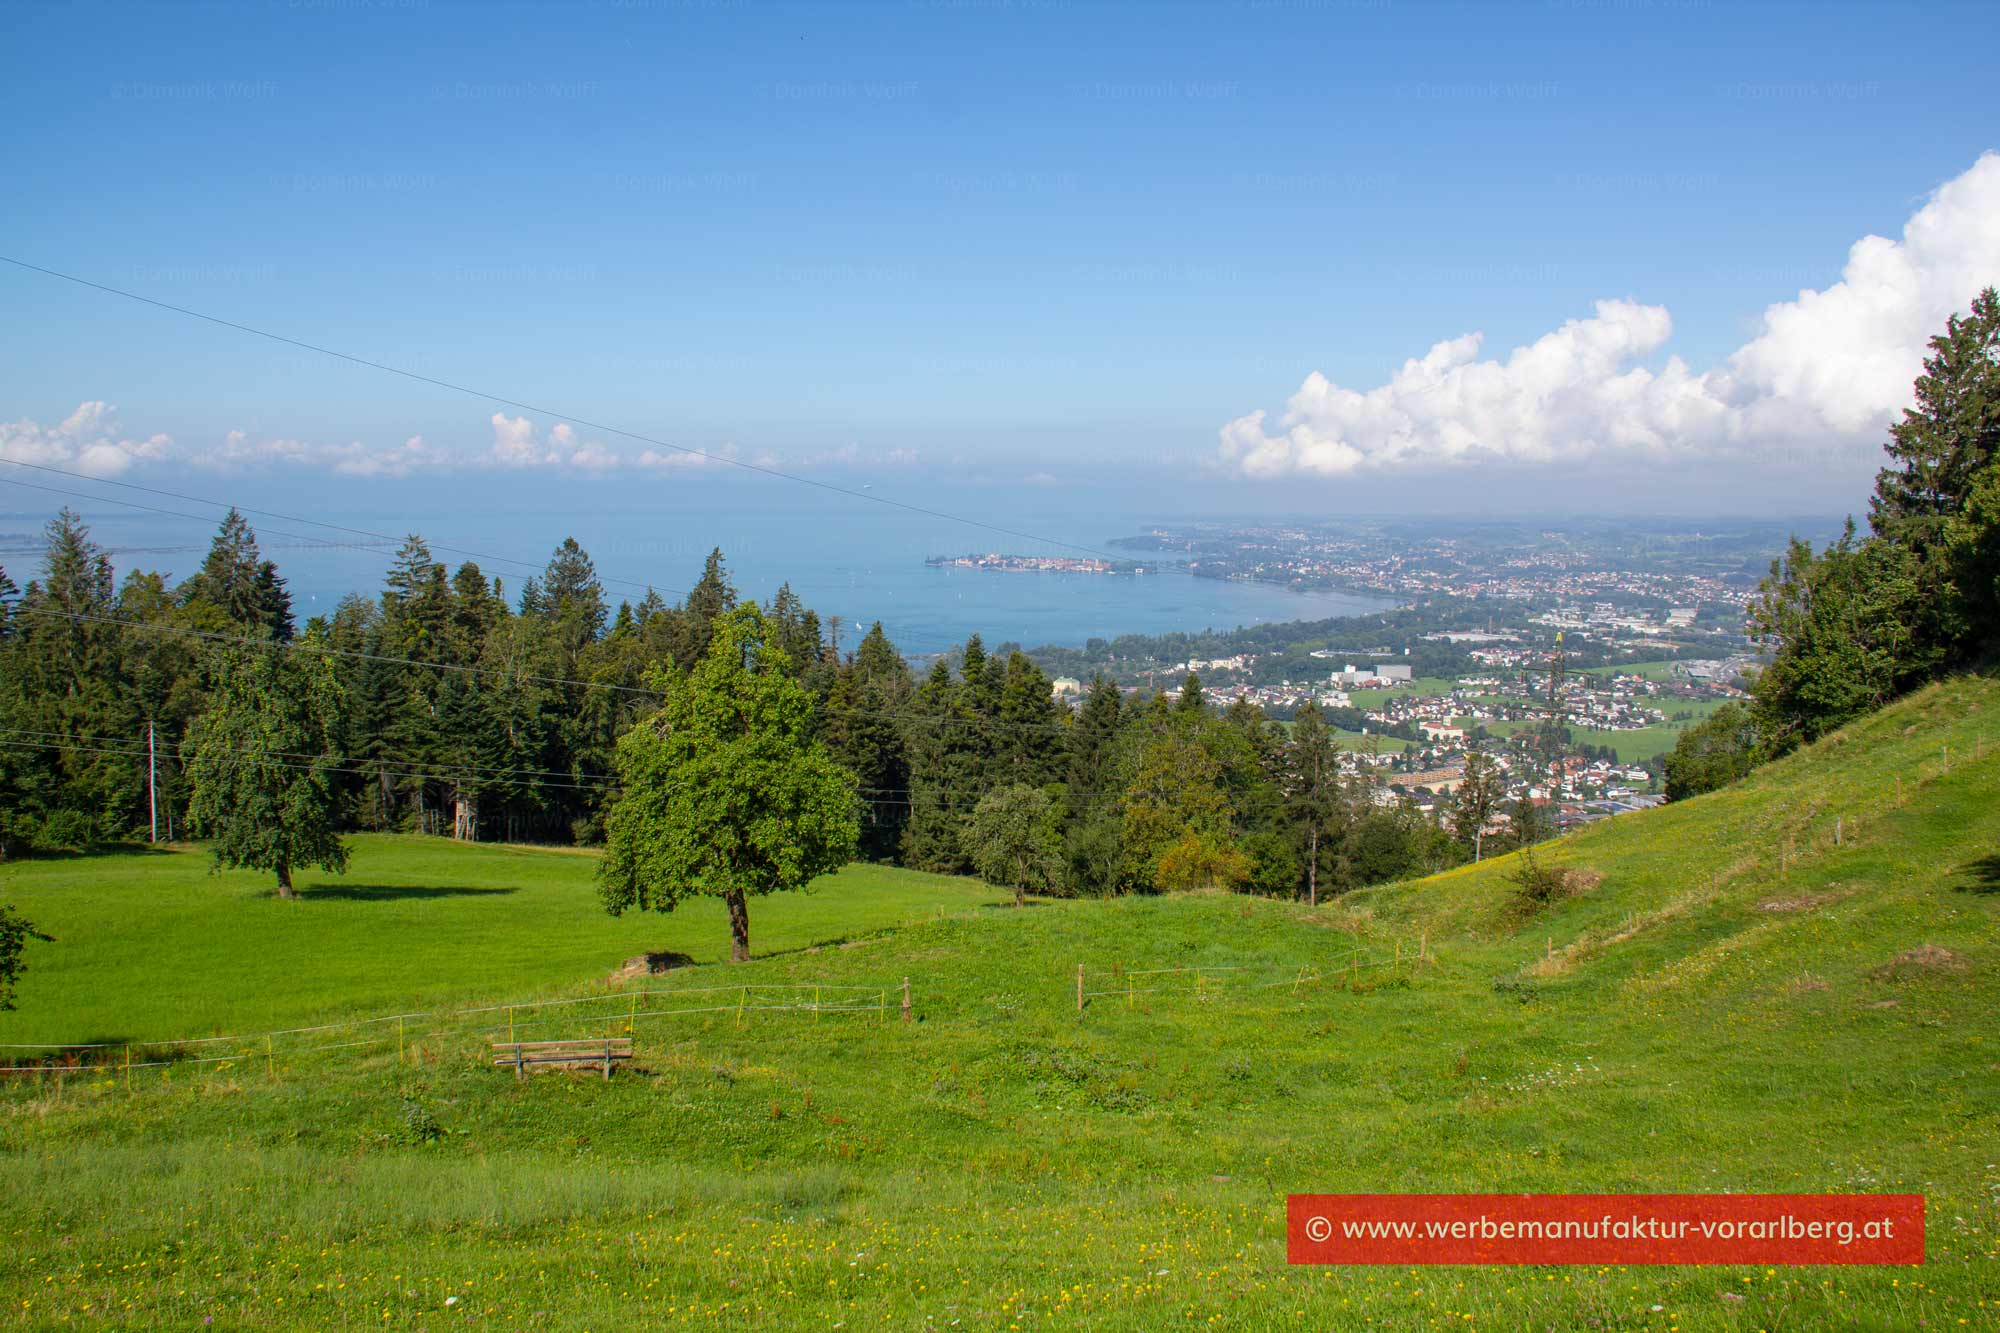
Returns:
(645, 965)
(1925, 960)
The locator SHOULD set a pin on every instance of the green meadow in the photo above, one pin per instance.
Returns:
(1785, 986)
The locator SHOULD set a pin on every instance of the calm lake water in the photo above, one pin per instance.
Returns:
(860, 561)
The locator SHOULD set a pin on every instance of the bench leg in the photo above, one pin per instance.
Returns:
(520, 1067)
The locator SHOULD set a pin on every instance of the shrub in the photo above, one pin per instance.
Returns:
(65, 831)
(1537, 886)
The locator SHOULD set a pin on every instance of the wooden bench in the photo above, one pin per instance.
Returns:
(581, 1053)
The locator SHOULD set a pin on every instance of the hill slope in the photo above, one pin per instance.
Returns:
(1739, 1003)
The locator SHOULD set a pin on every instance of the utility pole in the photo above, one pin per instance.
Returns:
(152, 782)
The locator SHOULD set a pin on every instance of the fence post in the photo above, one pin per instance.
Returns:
(128, 1068)
(510, 1022)
(270, 1060)
(815, 1004)
(632, 1018)
(399, 1041)
(906, 999)
(1836, 830)
(1079, 988)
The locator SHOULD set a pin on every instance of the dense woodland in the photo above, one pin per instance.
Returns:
(446, 705)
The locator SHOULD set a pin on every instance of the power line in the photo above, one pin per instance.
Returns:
(948, 798)
(252, 641)
(374, 537)
(519, 405)
(297, 644)
(315, 543)
(381, 538)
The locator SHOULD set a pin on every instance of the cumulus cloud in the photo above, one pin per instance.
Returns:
(515, 444)
(88, 440)
(1829, 369)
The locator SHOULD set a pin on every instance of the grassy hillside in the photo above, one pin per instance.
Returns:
(152, 945)
(1738, 1003)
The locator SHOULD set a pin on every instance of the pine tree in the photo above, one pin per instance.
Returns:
(713, 595)
(238, 582)
(1313, 787)
(1944, 443)
(862, 717)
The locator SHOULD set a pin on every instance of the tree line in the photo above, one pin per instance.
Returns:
(444, 705)
(1871, 617)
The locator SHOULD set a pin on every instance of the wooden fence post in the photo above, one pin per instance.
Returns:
(906, 999)
(1079, 988)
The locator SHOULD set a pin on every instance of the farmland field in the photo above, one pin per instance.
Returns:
(1740, 1004)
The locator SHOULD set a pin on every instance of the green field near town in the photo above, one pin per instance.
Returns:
(1788, 985)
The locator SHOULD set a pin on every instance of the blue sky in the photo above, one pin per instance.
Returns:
(1048, 240)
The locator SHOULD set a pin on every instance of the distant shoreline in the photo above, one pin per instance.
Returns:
(996, 562)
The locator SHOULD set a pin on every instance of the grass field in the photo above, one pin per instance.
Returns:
(151, 945)
(1741, 1004)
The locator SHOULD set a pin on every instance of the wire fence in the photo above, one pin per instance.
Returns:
(585, 1013)
(420, 1034)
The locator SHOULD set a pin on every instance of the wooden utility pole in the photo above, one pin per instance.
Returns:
(152, 783)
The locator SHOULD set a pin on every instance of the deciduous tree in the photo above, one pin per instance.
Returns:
(260, 763)
(724, 791)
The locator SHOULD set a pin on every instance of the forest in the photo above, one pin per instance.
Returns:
(448, 704)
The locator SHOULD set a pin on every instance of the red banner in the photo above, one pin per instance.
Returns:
(1605, 1228)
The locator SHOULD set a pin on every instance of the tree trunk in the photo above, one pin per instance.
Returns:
(1312, 870)
(1020, 896)
(285, 882)
(739, 927)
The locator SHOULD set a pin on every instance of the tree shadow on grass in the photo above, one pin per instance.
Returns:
(96, 851)
(1985, 873)
(382, 893)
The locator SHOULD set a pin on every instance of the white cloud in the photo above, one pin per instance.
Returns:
(354, 459)
(88, 441)
(675, 458)
(1832, 368)
(515, 445)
